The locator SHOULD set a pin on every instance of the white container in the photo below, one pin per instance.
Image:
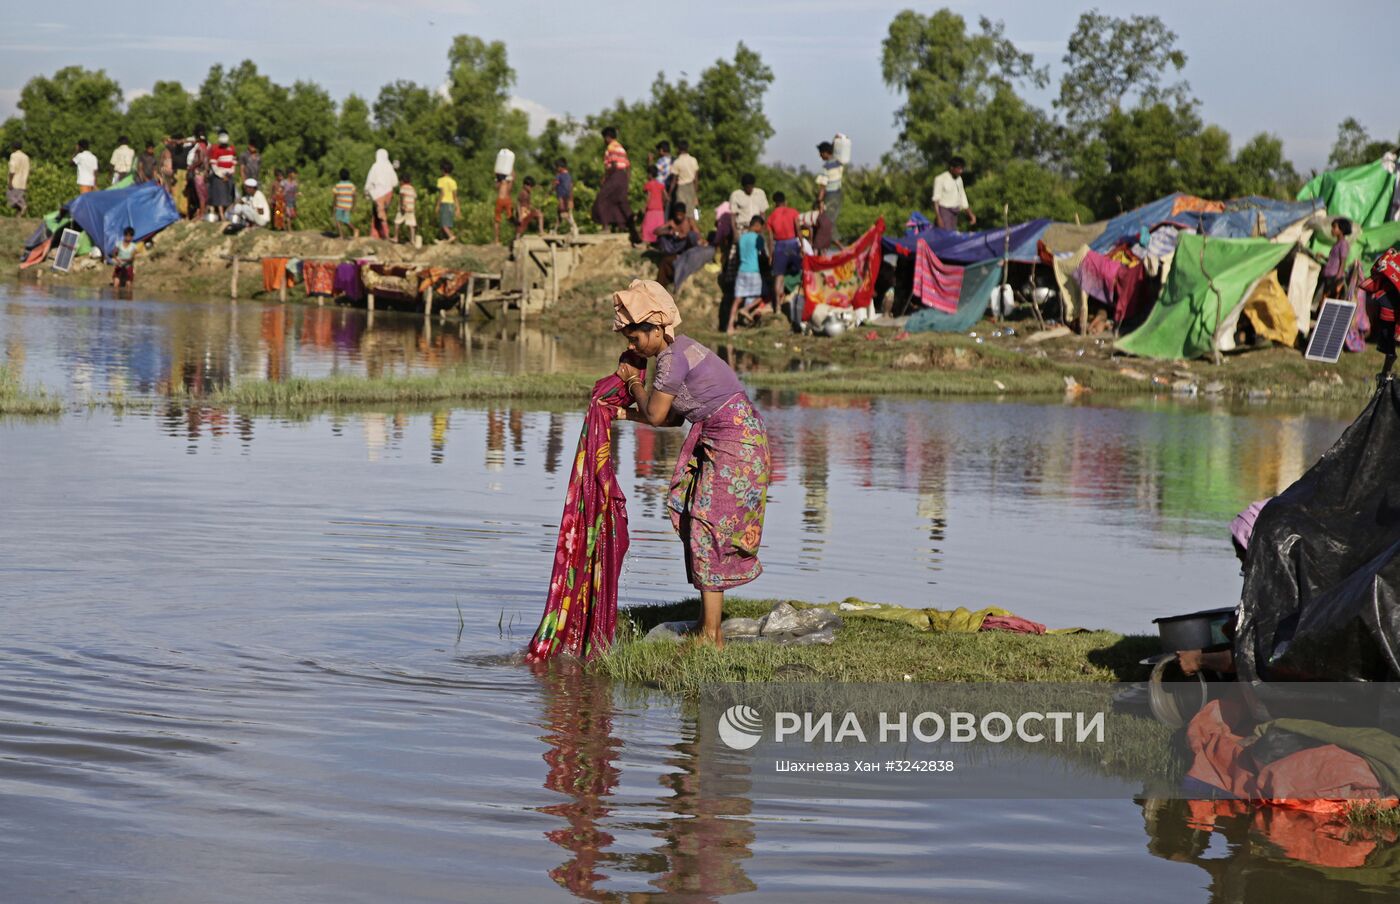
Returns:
(1003, 300)
(505, 162)
(841, 149)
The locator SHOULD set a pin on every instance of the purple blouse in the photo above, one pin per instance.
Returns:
(697, 377)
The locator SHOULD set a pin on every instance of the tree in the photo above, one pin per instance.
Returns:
(960, 92)
(1110, 60)
(1261, 168)
(354, 119)
(74, 103)
(167, 110)
(1354, 145)
(414, 124)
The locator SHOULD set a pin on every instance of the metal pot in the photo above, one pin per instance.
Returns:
(1196, 631)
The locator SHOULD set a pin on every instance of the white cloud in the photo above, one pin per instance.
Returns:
(134, 93)
(538, 113)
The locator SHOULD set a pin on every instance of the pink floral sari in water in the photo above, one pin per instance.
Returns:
(580, 614)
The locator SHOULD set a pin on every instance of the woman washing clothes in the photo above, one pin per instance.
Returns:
(720, 485)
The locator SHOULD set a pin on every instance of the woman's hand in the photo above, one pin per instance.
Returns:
(626, 372)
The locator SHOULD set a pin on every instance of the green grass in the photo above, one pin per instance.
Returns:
(16, 398)
(1371, 815)
(866, 650)
(878, 652)
(444, 386)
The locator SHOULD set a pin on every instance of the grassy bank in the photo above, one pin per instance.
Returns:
(879, 652)
(16, 398)
(444, 386)
(866, 650)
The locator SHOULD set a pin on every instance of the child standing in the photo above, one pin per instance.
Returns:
(504, 183)
(408, 211)
(655, 213)
(289, 197)
(279, 200)
(564, 194)
(124, 273)
(748, 285)
(344, 192)
(527, 210)
(447, 201)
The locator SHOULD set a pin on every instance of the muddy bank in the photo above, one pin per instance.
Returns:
(188, 259)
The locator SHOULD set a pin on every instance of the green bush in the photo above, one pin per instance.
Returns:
(50, 186)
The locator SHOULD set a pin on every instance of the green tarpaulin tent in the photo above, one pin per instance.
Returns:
(1202, 292)
(1360, 193)
(1365, 247)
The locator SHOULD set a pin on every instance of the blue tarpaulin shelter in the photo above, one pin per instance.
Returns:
(1242, 215)
(1231, 220)
(104, 215)
(972, 247)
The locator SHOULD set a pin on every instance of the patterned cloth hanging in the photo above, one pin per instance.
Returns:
(580, 614)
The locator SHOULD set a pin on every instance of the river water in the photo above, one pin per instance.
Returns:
(230, 665)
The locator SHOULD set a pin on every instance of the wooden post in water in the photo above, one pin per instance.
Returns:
(553, 274)
(428, 302)
(282, 289)
(371, 301)
(233, 281)
(471, 296)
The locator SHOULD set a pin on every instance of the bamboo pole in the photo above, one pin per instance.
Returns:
(233, 281)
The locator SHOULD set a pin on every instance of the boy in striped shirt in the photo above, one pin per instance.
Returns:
(344, 193)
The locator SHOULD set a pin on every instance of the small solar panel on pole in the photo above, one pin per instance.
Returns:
(1330, 332)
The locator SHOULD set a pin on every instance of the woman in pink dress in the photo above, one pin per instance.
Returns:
(656, 206)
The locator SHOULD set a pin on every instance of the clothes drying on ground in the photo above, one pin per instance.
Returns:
(936, 284)
(940, 621)
(320, 277)
(580, 614)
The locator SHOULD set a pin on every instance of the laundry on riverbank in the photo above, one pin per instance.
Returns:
(940, 621)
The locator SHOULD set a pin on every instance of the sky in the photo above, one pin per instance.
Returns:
(1256, 65)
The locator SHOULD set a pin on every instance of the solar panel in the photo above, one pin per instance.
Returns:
(67, 247)
(1330, 332)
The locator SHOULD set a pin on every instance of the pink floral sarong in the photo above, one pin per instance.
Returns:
(718, 494)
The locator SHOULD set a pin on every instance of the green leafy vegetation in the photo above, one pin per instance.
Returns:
(1124, 127)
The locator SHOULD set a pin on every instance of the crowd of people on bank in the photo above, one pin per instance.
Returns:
(758, 244)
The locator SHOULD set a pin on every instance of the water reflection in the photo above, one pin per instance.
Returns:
(88, 343)
(700, 824)
(1255, 855)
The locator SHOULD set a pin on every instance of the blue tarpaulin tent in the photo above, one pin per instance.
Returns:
(1236, 221)
(104, 215)
(1241, 216)
(972, 247)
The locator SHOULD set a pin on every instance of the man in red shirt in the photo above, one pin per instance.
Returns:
(787, 255)
(223, 161)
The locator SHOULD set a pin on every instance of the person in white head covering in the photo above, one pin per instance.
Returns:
(252, 207)
(379, 188)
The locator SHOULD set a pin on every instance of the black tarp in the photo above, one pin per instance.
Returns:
(1322, 583)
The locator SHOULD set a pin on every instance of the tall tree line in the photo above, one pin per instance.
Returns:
(1122, 130)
